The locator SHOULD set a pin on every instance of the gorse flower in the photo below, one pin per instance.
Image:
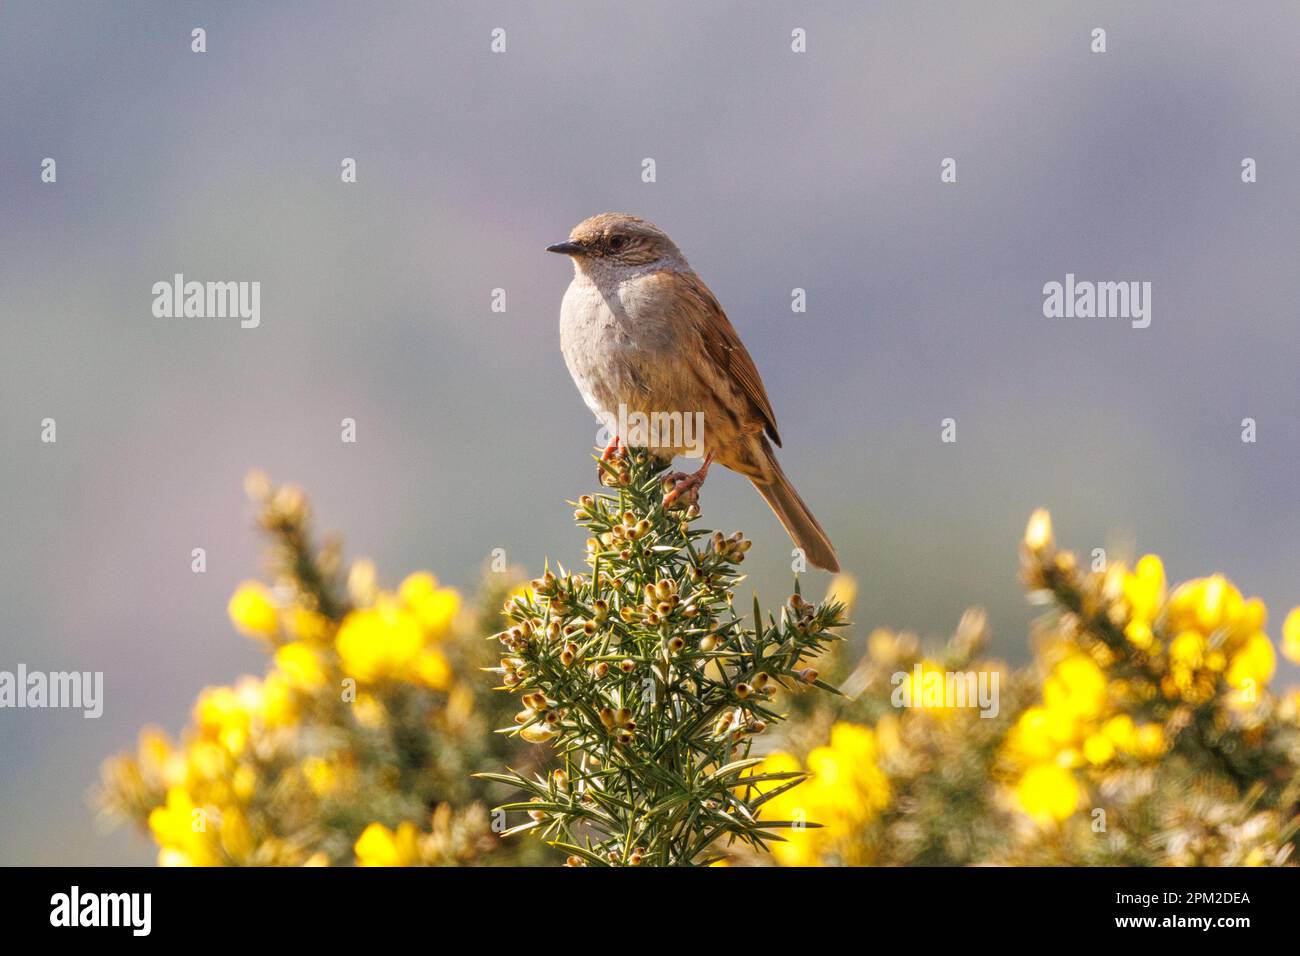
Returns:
(649, 686)
(358, 742)
(252, 610)
(845, 790)
(646, 719)
(396, 637)
(1144, 732)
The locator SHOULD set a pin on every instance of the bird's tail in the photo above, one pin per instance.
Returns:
(794, 514)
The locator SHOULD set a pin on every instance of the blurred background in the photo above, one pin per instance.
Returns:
(774, 170)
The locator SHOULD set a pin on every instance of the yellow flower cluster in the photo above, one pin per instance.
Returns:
(844, 790)
(1076, 725)
(396, 637)
(257, 768)
(1202, 645)
(391, 636)
(205, 817)
(1147, 706)
(452, 839)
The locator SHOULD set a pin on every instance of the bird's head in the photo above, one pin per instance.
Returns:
(615, 240)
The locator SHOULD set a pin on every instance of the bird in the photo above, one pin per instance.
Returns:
(642, 335)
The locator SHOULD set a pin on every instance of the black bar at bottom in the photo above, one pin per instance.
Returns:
(513, 905)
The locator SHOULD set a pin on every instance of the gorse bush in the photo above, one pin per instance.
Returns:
(357, 745)
(1144, 733)
(642, 715)
(650, 686)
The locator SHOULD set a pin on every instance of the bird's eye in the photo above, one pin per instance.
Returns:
(616, 242)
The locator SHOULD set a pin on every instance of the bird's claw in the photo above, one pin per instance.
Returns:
(611, 469)
(682, 490)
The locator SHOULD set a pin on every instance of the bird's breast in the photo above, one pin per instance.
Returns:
(610, 341)
(624, 349)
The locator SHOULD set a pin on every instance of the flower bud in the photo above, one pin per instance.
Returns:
(1038, 533)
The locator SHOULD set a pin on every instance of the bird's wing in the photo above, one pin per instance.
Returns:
(724, 348)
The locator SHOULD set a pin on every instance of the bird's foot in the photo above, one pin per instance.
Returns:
(682, 489)
(611, 469)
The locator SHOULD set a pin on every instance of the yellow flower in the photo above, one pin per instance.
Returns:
(925, 688)
(432, 670)
(1291, 636)
(845, 790)
(434, 607)
(1076, 688)
(320, 776)
(301, 666)
(369, 712)
(1188, 650)
(1032, 736)
(1207, 604)
(243, 783)
(1149, 741)
(236, 835)
(850, 763)
(1121, 731)
(1253, 665)
(1048, 792)
(1144, 589)
(1139, 634)
(252, 611)
(308, 625)
(206, 761)
(379, 642)
(1098, 749)
(802, 845)
(380, 846)
(843, 588)
(180, 827)
(277, 704)
(223, 715)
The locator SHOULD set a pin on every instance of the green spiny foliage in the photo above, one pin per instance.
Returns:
(650, 686)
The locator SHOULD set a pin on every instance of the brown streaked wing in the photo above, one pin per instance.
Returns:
(724, 347)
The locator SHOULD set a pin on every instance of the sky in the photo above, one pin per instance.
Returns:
(774, 171)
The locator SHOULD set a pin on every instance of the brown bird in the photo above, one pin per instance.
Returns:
(646, 342)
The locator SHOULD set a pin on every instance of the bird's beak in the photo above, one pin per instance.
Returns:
(566, 248)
